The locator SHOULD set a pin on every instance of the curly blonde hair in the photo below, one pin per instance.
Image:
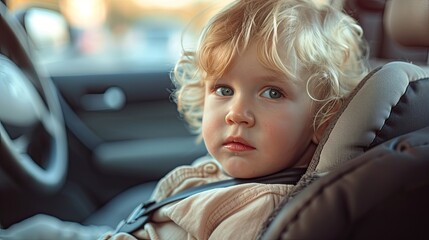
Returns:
(304, 41)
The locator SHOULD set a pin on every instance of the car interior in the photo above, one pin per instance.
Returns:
(59, 157)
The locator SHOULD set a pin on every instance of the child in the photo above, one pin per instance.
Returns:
(259, 89)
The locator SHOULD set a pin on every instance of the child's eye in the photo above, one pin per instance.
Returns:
(272, 93)
(224, 91)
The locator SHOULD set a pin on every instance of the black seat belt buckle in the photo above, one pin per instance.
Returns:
(137, 218)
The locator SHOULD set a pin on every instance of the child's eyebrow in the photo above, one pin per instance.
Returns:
(278, 79)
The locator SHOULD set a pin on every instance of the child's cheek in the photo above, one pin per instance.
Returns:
(210, 126)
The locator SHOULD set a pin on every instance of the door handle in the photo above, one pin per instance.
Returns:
(112, 99)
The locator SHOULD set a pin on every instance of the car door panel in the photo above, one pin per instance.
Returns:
(144, 139)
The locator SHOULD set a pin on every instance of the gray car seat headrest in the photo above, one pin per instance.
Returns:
(390, 101)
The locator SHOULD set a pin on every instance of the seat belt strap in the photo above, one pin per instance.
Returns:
(140, 215)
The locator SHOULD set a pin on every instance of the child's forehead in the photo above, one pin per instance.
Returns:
(275, 63)
(266, 72)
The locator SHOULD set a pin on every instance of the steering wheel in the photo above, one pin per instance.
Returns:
(33, 142)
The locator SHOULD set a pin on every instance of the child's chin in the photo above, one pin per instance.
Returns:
(241, 174)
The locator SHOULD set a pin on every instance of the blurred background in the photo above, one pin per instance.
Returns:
(117, 35)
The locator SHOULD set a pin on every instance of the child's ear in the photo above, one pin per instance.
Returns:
(318, 133)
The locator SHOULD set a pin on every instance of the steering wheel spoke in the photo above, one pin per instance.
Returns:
(21, 144)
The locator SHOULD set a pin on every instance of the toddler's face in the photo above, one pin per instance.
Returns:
(255, 122)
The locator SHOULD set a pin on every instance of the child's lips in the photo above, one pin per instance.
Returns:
(237, 144)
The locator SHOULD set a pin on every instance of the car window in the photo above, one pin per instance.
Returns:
(113, 35)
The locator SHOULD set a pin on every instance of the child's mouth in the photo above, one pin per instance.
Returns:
(237, 144)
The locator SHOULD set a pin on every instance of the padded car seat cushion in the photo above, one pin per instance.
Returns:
(390, 101)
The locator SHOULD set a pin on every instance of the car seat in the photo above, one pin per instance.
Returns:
(376, 16)
(371, 176)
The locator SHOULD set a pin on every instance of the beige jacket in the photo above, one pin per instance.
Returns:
(236, 212)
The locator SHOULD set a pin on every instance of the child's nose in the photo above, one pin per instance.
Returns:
(240, 113)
